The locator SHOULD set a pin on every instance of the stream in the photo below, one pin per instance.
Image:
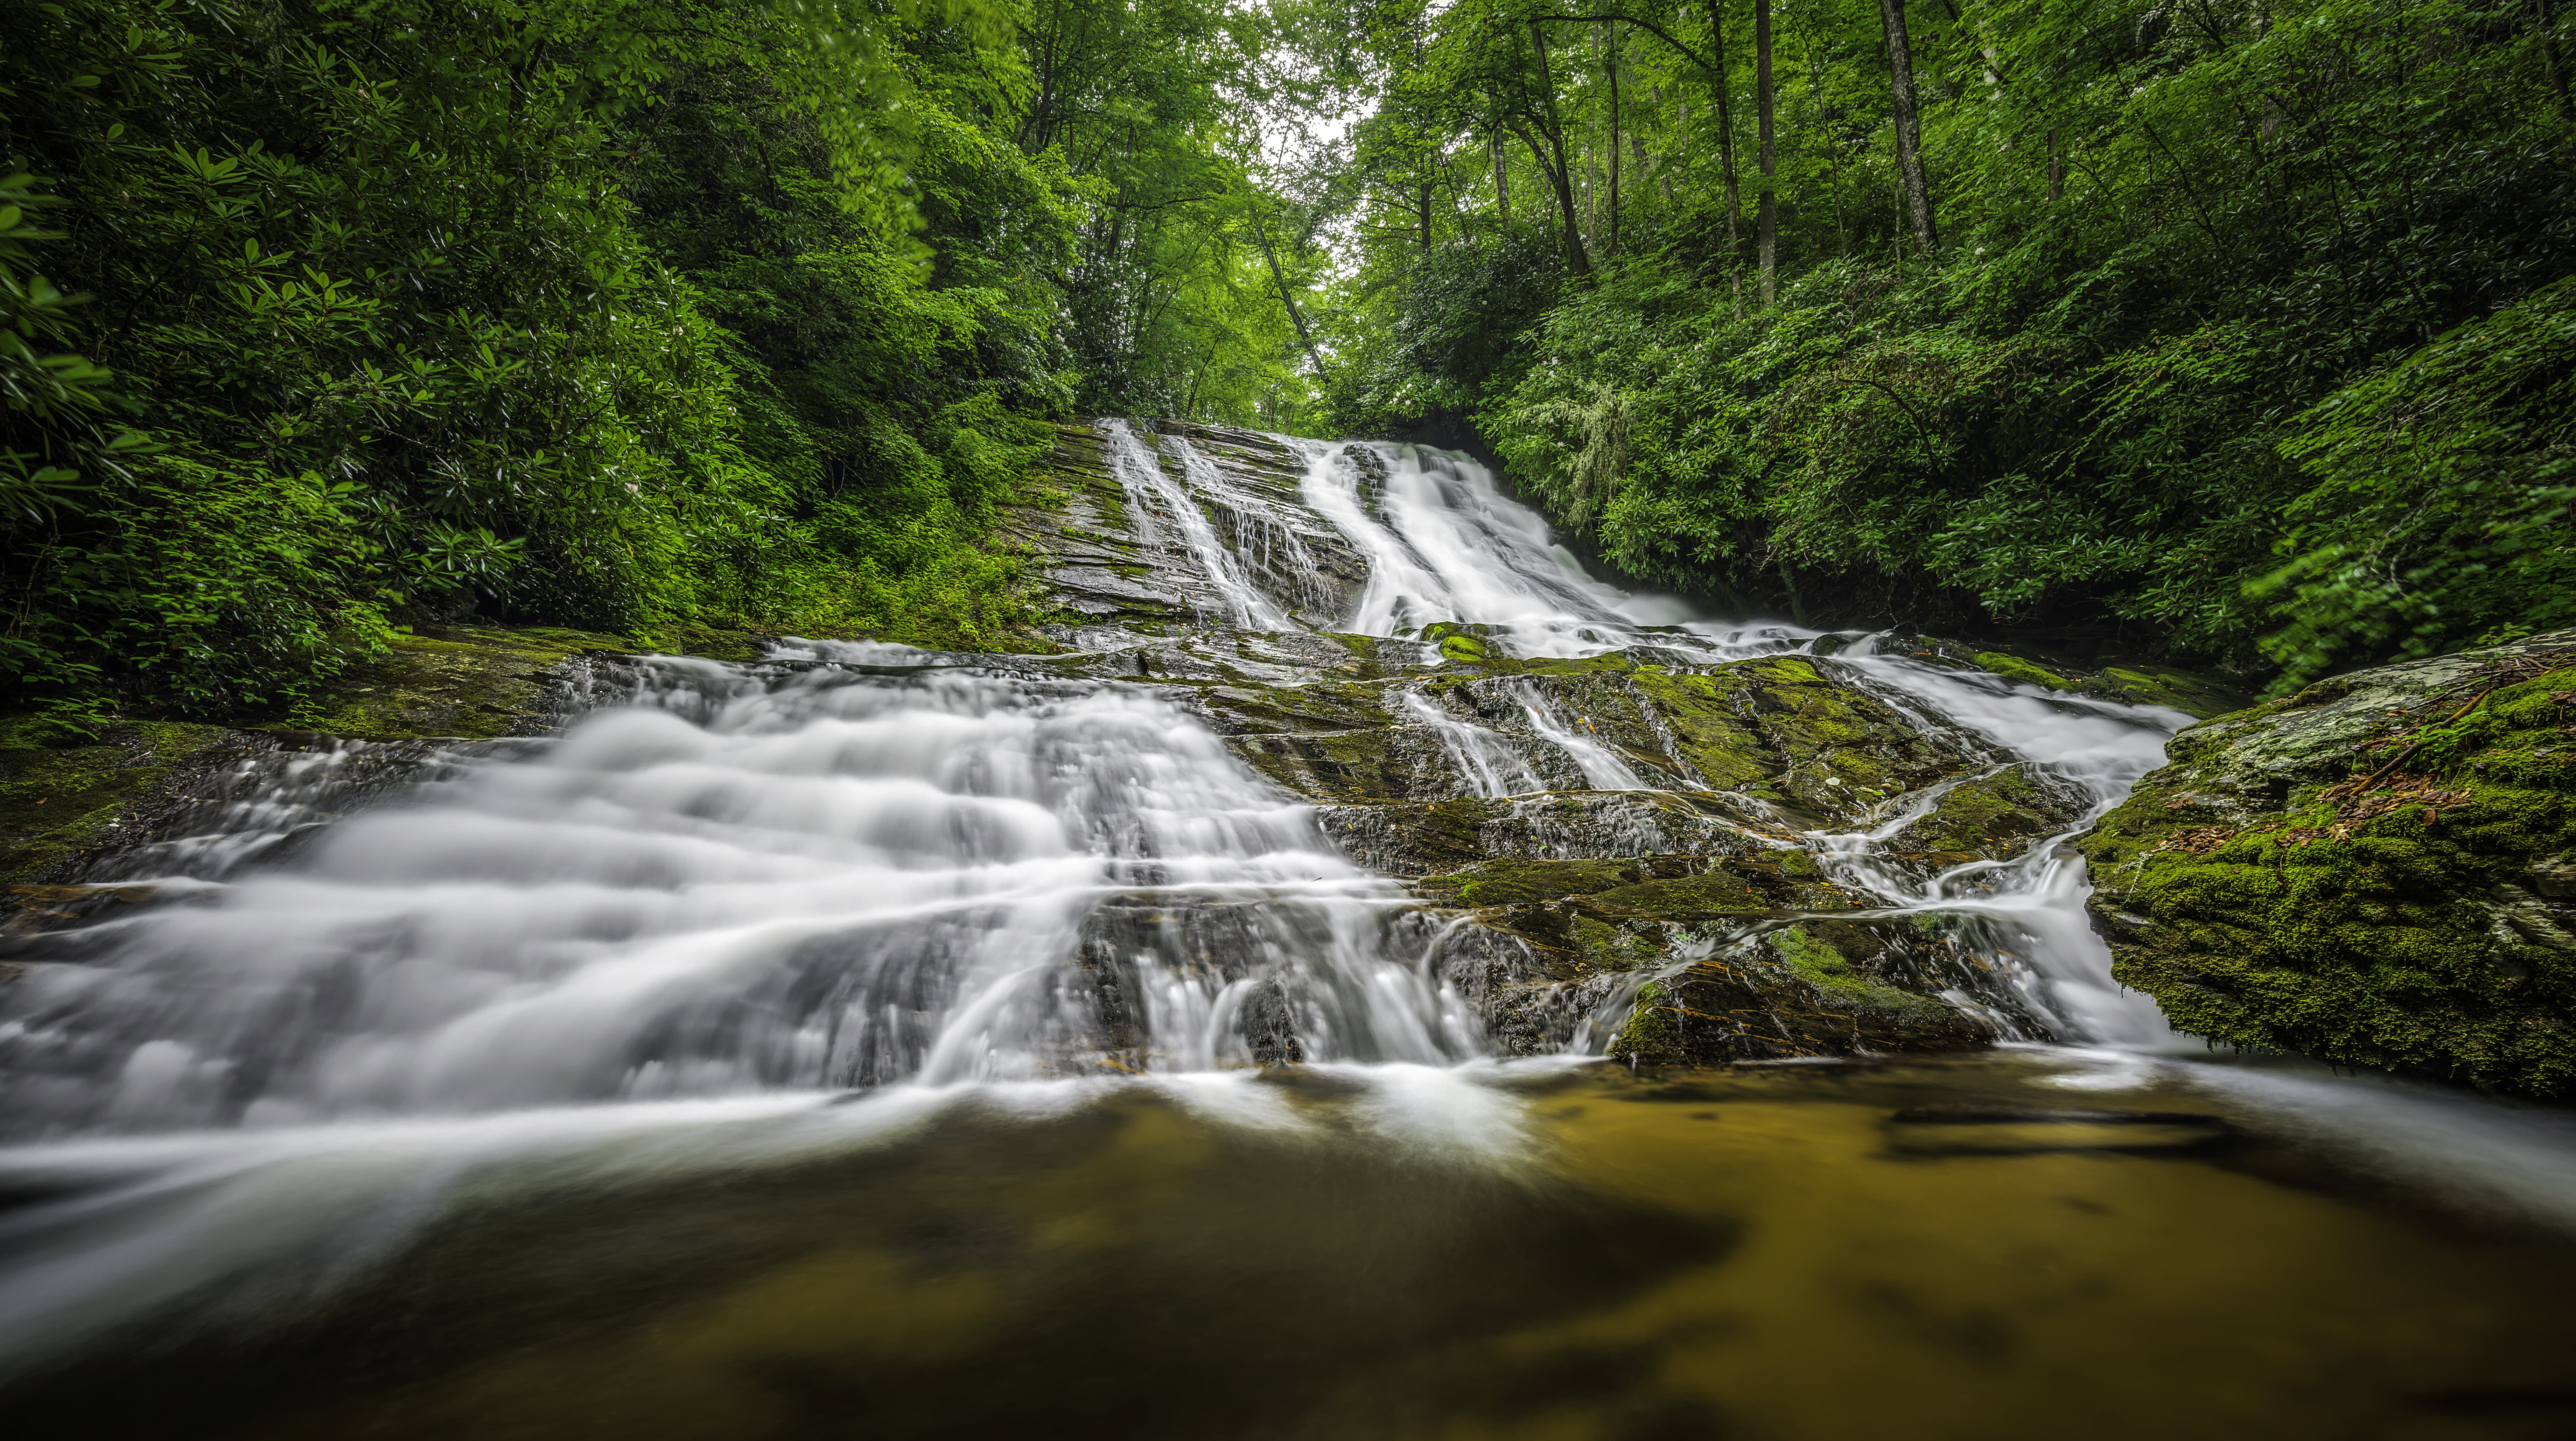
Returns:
(868, 1041)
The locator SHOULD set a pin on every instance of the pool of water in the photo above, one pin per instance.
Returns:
(2037, 1242)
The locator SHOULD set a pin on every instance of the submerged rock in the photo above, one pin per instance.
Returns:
(2375, 871)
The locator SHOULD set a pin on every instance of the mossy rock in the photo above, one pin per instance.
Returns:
(1815, 989)
(1438, 837)
(1515, 882)
(1822, 956)
(58, 801)
(1458, 642)
(1387, 764)
(2366, 872)
(2196, 693)
(1639, 887)
(1989, 817)
(1711, 926)
(469, 683)
(2005, 664)
(1780, 729)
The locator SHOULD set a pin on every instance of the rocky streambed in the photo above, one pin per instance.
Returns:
(1619, 832)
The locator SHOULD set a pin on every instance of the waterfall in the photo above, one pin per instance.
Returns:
(850, 866)
(1489, 765)
(1444, 543)
(747, 879)
(1153, 497)
(774, 877)
(866, 1037)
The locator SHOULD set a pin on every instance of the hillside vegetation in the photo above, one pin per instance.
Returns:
(646, 317)
(2243, 327)
(2242, 330)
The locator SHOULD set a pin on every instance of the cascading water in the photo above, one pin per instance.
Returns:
(871, 1039)
(1444, 543)
(749, 879)
(832, 872)
(1155, 497)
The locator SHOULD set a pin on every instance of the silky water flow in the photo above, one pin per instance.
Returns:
(868, 1042)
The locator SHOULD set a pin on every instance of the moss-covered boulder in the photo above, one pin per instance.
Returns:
(2374, 871)
(471, 683)
(65, 804)
(2100, 675)
(58, 801)
(1701, 960)
(1817, 988)
(1989, 817)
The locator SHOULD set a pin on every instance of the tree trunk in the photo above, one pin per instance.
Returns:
(1614, 136)
(1502, 175)
(1423, 210)
(1725, 116)
(2056, 167)
(1261, 231)
(1768, 156)
(1560, 173)
(1909, 133)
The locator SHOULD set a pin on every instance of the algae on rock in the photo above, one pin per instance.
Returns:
(64, 806)
(2368, 872)
(59, 801)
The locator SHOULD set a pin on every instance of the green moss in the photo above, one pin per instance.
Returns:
(2019, 669)
(2193, 694)
(1718, 889)
(1992, 816)
(1818, 963)
(1517, 882)
(1608, 947)
(1706, 715)
(1645, 887)
(474, 683)
(58, 800)
(2409, 926)
(1352, 766)
(1654, 1030)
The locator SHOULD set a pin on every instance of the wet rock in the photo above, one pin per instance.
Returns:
(2103, 675)
(473, 683)
(1820, 988)
(1695, 960)
(2372, 871)
(1991, 817)
(1592, 828)
(68, 810)
(59, 801)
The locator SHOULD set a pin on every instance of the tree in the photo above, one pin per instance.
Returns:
(1767, 157)
(1909, 134)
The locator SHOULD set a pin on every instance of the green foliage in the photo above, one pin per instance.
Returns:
(2164, 352)
(2443, 495)
(1464, 314)
(639, 316)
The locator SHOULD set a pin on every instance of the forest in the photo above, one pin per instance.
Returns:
(2246, 329)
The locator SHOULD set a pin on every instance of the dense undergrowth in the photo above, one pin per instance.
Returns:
(2246, 329)
(644, 317)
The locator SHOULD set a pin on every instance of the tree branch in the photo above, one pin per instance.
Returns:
(1649, 26)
